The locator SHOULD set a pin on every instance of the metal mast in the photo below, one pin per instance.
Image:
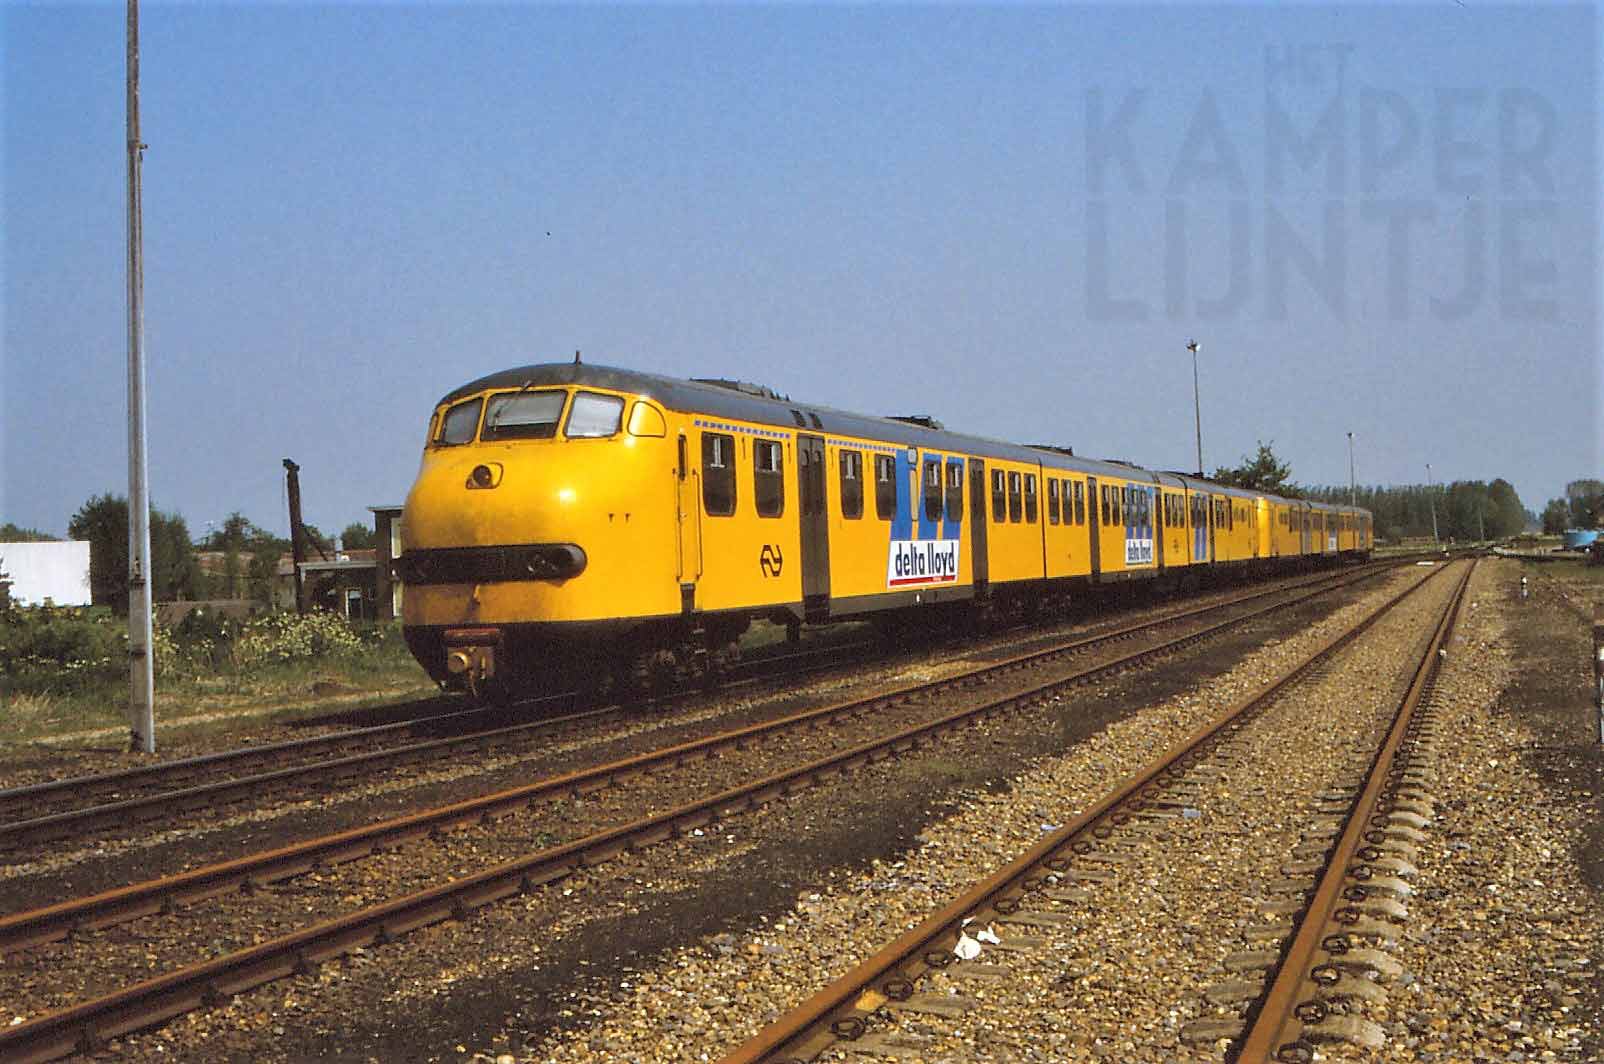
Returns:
(141, 665)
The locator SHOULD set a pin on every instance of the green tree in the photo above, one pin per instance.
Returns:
(1263, 472)
(250, 557)
(174, 572)
(359, 537)
(1586, 499)
(10, 533)
(1556, 516)
(1507, 516)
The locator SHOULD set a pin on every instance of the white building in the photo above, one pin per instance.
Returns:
(55, 571)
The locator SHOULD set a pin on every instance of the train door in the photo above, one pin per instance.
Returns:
(689, 525)
(1094, 521)
(979, 566)
(1160, 518)
(815, 527)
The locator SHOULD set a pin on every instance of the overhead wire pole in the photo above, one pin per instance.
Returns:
(141, 664)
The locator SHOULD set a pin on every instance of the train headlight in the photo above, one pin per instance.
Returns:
(484, 475)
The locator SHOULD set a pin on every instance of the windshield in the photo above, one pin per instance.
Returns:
(595, 415)
(524, 415)
(460, 423)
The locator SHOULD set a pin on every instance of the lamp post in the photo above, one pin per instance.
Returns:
(1353, 485)
(1431, 497)
(1197, 404)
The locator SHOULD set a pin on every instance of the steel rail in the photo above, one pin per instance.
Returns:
(50, 923)
(182, 768)
(149, 807)
(1275, 1032)
(152, 806)
(840, 1009)
(85, 1026)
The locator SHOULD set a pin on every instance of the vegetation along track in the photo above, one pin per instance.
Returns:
(1018, 939)
(75, 1026)
(157, 795)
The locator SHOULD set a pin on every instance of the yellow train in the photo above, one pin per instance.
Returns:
(577, 524)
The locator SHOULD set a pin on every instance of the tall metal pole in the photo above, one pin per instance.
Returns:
(1431, 497)
(141, 664)
(1353, 485)
(1197, 403)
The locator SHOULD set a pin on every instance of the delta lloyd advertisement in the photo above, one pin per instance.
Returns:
(918, 562)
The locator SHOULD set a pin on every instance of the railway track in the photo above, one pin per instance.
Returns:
(1318, 954)
(88, 1023)
(77, 806)
(86, 807)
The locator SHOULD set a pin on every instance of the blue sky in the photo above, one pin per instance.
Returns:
(1379, 219)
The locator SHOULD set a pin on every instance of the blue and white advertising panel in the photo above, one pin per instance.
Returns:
(919, 562)
(1139, 527)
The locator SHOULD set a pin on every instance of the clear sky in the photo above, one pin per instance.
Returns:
(1378, 219)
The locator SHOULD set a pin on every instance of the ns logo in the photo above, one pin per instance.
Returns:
(770, 560)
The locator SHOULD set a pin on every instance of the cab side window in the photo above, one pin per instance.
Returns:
(768, 476)
(885, 486)
(851, 484)
(718, 474)
(955, 490)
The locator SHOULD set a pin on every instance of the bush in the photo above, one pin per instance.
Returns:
(277, 638)
(51, 647)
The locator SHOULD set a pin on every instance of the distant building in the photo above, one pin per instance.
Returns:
(57, 571)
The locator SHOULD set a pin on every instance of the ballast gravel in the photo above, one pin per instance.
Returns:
(683, 1002)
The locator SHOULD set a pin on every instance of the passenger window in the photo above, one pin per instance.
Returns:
(460, 424)
(1016, 498)
(1108, 508)
(885, 486)
(718, 474)
(593, 416)
(1119, 506)
(955, 490)
(1030, 498)
(1080, 502)
(999, 496)
(932, 492)
(768, 475)
(852, 484)
(1052, 501)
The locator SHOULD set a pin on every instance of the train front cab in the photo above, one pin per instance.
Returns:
(537, 501)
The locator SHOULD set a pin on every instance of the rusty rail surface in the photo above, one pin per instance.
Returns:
(839, 1011)
(162, 805)
(156, 805)
(34, 927)
(1311, 961)
(84, 1027)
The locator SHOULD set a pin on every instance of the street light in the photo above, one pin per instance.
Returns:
(1197, 405)
(1431, 497)
(1353, 489)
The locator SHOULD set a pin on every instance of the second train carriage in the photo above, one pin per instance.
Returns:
(569, 518)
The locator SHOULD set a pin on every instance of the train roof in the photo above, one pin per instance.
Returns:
(747, 402)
